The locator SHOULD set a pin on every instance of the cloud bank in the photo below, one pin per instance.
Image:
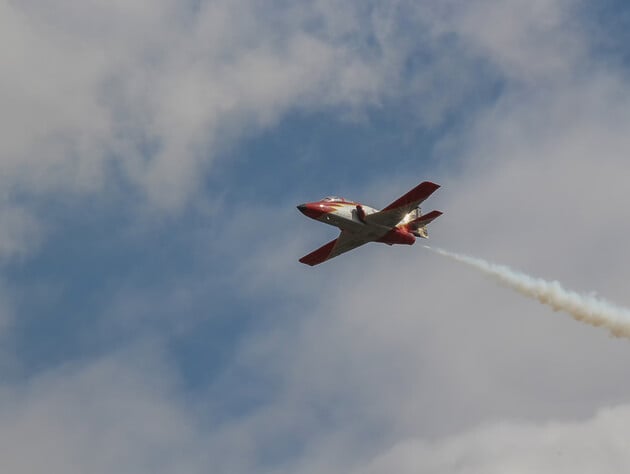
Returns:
(393, 370)
(149, 92)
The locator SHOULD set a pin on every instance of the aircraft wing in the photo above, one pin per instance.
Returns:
(391, 215)
(344, 243)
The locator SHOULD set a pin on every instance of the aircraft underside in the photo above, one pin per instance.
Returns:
(399, 223)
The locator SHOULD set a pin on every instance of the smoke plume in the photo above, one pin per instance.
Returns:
(585, 308)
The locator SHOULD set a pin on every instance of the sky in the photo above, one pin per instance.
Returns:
(154, 316)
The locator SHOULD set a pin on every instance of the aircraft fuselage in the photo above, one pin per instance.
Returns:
(399, 223)
(354, 217)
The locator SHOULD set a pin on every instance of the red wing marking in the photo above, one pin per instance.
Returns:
(344, 243)
(320, 255)
(414, 197)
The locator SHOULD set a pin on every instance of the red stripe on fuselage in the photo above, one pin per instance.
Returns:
(315, 210)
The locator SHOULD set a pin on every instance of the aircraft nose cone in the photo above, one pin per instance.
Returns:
(312, 209)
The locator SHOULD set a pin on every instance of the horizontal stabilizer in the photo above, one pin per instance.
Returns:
(397, 210)
(425, 219)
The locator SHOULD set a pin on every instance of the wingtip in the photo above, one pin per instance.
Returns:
(318, 256)
(417, 194)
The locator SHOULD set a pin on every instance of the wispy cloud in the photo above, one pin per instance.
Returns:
(358, 366)
(153, 89)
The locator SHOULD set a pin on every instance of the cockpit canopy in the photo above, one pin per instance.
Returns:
(333, 199)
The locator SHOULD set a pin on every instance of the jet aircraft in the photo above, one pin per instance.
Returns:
(399, 223)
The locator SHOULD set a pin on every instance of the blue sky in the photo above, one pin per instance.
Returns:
(155, 317)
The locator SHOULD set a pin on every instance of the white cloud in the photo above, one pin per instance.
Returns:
(528, 41)
(150, 93)
(597, 444)
(155, 86)
(124, 413)
(397, 342)
(19, 232)
(399, 361)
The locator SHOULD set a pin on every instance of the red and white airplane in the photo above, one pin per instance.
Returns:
(399, 223)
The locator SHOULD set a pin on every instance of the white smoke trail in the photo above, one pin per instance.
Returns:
(588, 309)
